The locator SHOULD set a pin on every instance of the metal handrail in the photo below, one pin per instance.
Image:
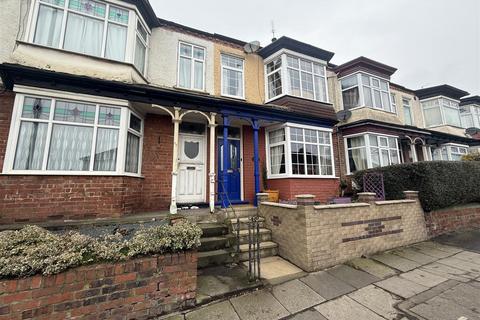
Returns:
(233, 210)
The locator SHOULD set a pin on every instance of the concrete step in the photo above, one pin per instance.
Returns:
(265, 235)
(244, 223)
(217, 242)
(267, 249)
(240, 211)
(213, 229)
(215, 258)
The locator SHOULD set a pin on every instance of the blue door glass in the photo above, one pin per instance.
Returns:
(233, 189)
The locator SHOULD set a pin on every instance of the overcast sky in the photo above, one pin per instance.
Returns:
(430, 42)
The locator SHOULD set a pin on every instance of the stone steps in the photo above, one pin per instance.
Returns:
(244, 223)
(267, 249)
(213, 229)
(265, 235)
(216, 242)
(216, 245)
(215, 257)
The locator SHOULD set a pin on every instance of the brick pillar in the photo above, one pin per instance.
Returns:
(262, 197)
(366, 197)
(411, 195)
(305, 199)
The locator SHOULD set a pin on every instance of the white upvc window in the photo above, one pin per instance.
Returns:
(394, 102)
(470, 116)
(441, 111)
(364, 90)
(191, 66)
(299, 151)
(370, 150)
(90, 27)
(293, 74)
(233, 84)
(58, 135)
(407, 111)
(450, 152)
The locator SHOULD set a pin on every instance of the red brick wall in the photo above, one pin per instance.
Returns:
(137, 289)
(452, 219)
(322, 189)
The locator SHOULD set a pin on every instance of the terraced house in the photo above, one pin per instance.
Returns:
(108, 110)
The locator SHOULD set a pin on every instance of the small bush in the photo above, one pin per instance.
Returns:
(33, 250)
(474, 156)
(440, 184)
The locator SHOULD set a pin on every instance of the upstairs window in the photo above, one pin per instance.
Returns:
(470, 116)
(191, 66)
(441, 111)
(407, 112)
(296, 76)
(88, 27)
(232, 76)
(394, 102)
(361, 89)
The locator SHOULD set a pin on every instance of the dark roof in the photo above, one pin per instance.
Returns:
(18, 74)
(470, 100)
(441, 90)
(366, 64)
(296, 46)
(147, 12)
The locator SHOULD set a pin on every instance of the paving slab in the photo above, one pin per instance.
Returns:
(217, 311)
(372, 267)
(439, 246)
(439, 308)
(345, 308)
(465, 295)
(310, 314)
(259, 305)
(377, 300)
(423, 278)
(414, 255)
(449, 272)
(327, 285)
(276, 267)
(353, 277)
(431, 251)
(396, 262)
(468, 256)
(466, 239)
(174, 317)
(296, 296)
(461, 264)
(401, 287)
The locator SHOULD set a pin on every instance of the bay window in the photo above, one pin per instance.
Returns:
(63, 136)
(296, 76)
(370, 151)
(90, 27)
(470, 116)
(295, 151)
(361, 89)
(449, 152)
(191, 66)
(232, 76)
(441, 111)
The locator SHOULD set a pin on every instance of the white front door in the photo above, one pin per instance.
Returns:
(191, 169)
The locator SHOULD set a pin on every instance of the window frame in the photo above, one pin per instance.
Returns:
(192, 67)
(442, 111)
(134, 17)
(22, 92)
(448, 147)
(222, 67)
(287, 147)
(410, 107)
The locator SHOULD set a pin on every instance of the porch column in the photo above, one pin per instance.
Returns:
(226, 124)
(425, 153)
(211, 174)
(414, 152)
(430, 155)
(256, 165)
(176, 127)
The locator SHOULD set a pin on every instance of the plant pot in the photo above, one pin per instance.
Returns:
(273, 195)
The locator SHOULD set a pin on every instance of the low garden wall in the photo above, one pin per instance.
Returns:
(453, 219)
(316, 237)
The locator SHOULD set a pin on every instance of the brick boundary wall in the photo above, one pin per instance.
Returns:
(141, 288)
(452, 219)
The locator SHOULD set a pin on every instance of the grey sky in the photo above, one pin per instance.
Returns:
(430, 42)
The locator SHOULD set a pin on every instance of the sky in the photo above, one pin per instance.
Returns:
(430, 42)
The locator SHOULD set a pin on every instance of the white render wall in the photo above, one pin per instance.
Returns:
(163, 61)
(12, 25)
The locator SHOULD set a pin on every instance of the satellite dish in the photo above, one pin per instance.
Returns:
(472, 131)
(343, 115)
(252, 47)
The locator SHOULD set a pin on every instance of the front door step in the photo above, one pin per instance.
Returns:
(267, 249)
(215, 258)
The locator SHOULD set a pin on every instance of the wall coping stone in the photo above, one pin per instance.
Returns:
(340, 205)
(387, 202)
(281, 205)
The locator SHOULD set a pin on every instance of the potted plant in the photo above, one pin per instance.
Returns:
(342, 199)
(273, 195)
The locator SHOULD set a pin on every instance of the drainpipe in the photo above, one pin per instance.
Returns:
(211, 174)
(256, 165)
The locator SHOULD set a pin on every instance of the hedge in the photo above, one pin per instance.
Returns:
(33, 250)
(440, 184)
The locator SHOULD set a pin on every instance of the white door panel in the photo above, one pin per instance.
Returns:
(191, 169)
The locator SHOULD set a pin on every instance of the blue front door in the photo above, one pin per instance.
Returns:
(232, 188)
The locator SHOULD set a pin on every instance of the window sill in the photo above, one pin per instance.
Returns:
(233, 97)
(73, 173)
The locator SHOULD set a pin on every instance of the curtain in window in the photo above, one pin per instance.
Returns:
(116, 42)
(452, 116)
(277, 159)
(140, 51)
(294, 79)
(433, 116)
(198, 75)
(133, 147)
(30, 146)
(320, 89)
(106, 150)
(49, 25)
(70, 148)
(184, 79)
(407, 115)
(357, 159)
(84, 35)
(350, 98)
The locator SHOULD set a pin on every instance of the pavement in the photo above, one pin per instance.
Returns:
(429, 280)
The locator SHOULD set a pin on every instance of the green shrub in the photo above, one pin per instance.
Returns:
(33, 250)
(440, 184)
(474, 156)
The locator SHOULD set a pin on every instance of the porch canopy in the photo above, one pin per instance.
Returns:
(177, 103)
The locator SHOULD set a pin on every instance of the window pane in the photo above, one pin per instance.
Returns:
(199, 53)
(106, 150)
(274, 65)
(116, 42)
(385, 101)
(118, 15)
(294, 79)
(232, 62)
(185, 50)
(311, 152)
(375, 157)
(452, 116)
(30, 146)
(324, 137)
(36, 108)
(141, 31)
(83, 34)
(407, 112)
(93, 8)
(349, 82)
(135, 123)
(351, 98)
(296, 134)
(367, 93)
(59, 3)
(305, 65)
(433, 117)
(356, 142)
(232, 83)
(375, 83)
(385, 158)
(132, 156)
(70, 148)
(318, 69)
(49, 26)
(311, 136)
(376, 99)
(298, 158)
(394, 157)
(74, 112)
(109, 116)
(357, 159)
(274, 84)
(184, 80)
(276, 136)
(326, 166)
(140, 51)
(277, 159)
(198, 75)
(373, 140)
(292, 62)
(392, 143)
(366, 80)
(307, 85)
(383, 85)
(320, 89)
